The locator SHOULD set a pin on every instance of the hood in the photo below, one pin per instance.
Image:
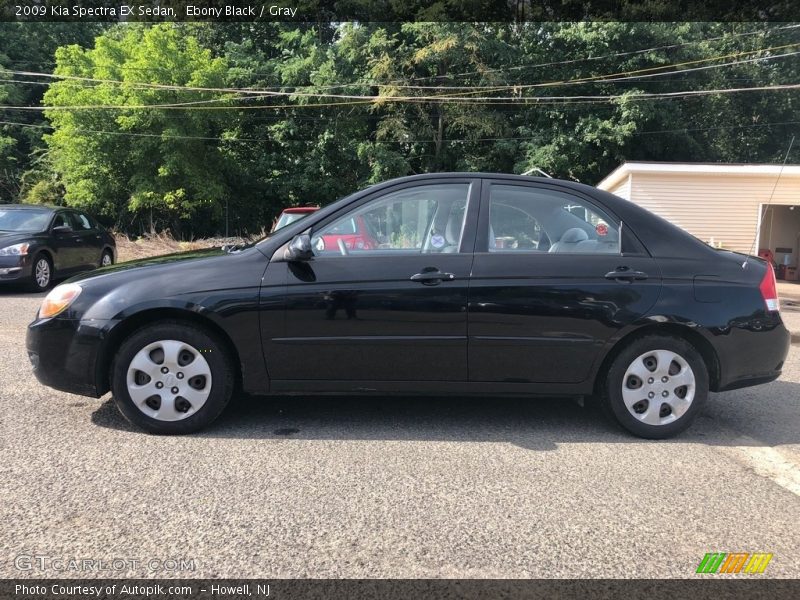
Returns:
(8, 238)
(154, 263)
(177, 274)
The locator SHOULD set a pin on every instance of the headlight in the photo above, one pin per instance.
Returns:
(15, 250)
(59, 299)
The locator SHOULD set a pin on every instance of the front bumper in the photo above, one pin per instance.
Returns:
(64, 353)
(14, 268)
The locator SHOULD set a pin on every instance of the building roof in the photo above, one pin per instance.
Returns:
(627, 168)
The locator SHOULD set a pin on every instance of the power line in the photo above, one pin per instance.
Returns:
(624, 74)
(524, 100)
(620, 76)
(725, 36)
(409, 141)
(612, 55)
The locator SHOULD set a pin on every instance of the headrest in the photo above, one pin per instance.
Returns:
(574, 235)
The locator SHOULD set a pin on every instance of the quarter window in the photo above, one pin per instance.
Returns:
(525, 219)
(420, 220)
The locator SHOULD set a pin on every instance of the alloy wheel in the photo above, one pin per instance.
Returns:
(658, 387)
(42, 273)
(169, 380)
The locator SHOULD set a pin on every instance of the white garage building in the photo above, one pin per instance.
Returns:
(727, 205)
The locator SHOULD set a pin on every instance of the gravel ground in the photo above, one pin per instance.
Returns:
(407, 488)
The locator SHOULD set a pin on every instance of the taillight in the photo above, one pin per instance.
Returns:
(769, 289)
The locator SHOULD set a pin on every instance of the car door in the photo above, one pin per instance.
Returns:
(65, 244)
(385, 296)
(551, 284)
(90, 242)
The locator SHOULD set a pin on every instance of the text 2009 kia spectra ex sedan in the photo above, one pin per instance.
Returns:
(478, 283)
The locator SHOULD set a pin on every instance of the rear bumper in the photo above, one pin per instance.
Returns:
(64, 353)
(751, 353)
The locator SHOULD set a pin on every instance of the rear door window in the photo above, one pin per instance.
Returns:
(531, 219)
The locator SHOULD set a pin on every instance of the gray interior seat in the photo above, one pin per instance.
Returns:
(452, 232)
(570, 240)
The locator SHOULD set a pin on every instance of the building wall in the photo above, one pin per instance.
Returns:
(623, 188)
(779, 229)
(722, 207)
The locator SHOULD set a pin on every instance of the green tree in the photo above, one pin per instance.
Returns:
(28, 47)
(307, 147)
(160, 166)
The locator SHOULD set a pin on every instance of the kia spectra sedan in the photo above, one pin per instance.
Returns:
(475, 284)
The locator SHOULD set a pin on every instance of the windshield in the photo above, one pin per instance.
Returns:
(24, 220)
(287, 219)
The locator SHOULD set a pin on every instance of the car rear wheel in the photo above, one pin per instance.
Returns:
(172, 378)
(41, 273)
(656, 386)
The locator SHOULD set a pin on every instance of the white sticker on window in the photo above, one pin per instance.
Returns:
(437, 241)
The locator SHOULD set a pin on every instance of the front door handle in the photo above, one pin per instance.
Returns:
(432, 276)
(626, 274)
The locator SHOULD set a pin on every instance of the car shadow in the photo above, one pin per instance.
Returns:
(761, 416)
(14, 290)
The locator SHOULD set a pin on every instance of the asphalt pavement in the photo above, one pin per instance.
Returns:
(400, 487)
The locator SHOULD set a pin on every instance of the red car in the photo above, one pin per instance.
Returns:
(354, 233)
(292, 214)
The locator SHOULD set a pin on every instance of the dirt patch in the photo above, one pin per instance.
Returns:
(158, 244)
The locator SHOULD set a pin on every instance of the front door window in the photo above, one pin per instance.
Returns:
(426, 219)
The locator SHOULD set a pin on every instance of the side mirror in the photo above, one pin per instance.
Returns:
(62, 230)
(299, 249)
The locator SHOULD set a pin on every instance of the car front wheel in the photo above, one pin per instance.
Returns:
(41, 273)
(656, 386)
(172, 378)
(107, 259)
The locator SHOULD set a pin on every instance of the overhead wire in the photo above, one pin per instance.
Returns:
(524, 100)
(619, 76)
(407, 141)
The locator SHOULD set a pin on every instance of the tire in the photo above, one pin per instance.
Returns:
(106, 258)
(41, 273)
(190, 395)
(640, 391)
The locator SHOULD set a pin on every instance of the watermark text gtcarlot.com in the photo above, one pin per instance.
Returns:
(44, 563)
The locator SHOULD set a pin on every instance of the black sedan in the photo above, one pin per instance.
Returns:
(471, 284)
(39, 244)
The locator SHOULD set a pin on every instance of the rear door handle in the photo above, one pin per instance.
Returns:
(626, 274)
(432, 276)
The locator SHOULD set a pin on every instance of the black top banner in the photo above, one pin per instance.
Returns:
(399, 10)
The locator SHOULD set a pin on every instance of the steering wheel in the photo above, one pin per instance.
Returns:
(343, 247)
